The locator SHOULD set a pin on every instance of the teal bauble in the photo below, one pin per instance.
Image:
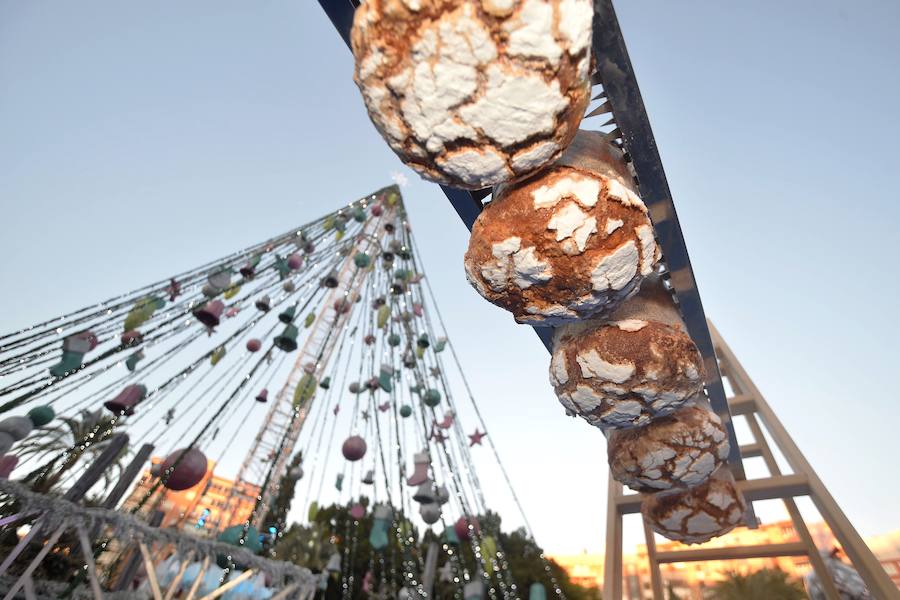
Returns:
(361, 260)
(41, 415)
(405, 410)
(394, 340)
(432, 397)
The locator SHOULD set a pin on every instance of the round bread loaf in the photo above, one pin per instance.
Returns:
(680, 450)
(698, 514)
(624, 373)
(471, 93)
(567, 244)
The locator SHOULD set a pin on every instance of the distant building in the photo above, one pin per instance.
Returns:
(689, 579)
(208, 507)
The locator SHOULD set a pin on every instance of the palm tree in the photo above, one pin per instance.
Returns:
(57, 440)
(765, 584)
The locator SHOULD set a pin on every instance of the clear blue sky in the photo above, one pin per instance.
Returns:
(140, 139)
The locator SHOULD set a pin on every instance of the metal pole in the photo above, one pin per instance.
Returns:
(612, 571)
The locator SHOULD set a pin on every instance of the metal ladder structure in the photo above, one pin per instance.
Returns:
(748, 403)
(618, 97)
(281, 429)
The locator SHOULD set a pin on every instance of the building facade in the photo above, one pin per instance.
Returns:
(691, 580)
(207, 508)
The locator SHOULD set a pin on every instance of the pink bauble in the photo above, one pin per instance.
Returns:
(132, 338)
(295, 261)
(377, 210)
(357, 511)
(188, 473)
(354, 448)
(254, 345)
(461, 527)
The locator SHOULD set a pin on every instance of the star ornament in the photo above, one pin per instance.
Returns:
(475, 438)
(174, 289)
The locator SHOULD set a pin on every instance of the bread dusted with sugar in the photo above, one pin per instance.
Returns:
(471, 93)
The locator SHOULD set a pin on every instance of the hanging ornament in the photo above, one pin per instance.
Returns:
(131, 338)
(448, 420)
(439, 345)
(217, 355)
(41, 415)
(409, 360)
(537, 591)
(313, 511)
(282, 267)
(583, 240)
(219, 280)
(384, 378)
(476, 438)
(330, 280)
(384, 312)
(425, 493)
(432, 397)
(377, 210)
(325, 383)
(357, 511)
(246, 537)
(680, 450)
(405, 411)
(369, 477)
(464, 527)
(75, 347)
(381, 522)
(231, 291)
(264, 304)
(362, 260)
(378, 302)
(209, 291)
(232, 312)
(309, 367)
(305, 390)
(354, 387)
(384, 406)
(142, 311)
(334, 563)
(132, 361)
(8, 463)
(294, 261)
(359, 214)
(263, 396)
(248, 271)
(287, 315)
(12, 430)
(418, 310)
(372, 384)
(287, 341)
(210, 313)
(393, 340)
(474, 590)
(698, 514)
(310, 319)
(449, 536)
(354, 448)
(254, 344)
(189, 472)
(488, 547)
(430, 513)
(423, 342)
(445, 573)
(126, 400)
(339, 482)
(389, 227)
(342, 306)
(388, 258)
(173, 290)
(369, 339)
(421, 462)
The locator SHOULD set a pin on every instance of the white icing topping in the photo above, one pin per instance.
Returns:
(613, 224)
(617, 269)
(575, 23)
(630, 324)
(592, 365)
(531, 32)
(585, 190)
(648, 248)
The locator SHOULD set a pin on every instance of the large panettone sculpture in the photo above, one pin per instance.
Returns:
(569, 243)
(472, 93)
(697, 514)
(624, 372)
(677, 451)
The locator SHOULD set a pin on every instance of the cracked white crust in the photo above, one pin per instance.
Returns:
(624, 373)
(472, 93)
(680, 450)
(698, 514)
(589, 251)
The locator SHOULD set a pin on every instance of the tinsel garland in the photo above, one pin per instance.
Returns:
(56, 512)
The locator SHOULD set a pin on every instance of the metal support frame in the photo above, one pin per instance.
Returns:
(616, 86)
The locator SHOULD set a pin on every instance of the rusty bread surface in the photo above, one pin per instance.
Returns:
(622, 374)
(472, 93)
(564, 245)
(680, 450)
(698, 514)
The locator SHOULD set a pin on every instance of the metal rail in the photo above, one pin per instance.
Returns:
(632, 129)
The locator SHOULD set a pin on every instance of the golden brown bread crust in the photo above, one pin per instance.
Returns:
(623, 373)
(679, 450)
(472, 93)
(571, 242)
(698, 514)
